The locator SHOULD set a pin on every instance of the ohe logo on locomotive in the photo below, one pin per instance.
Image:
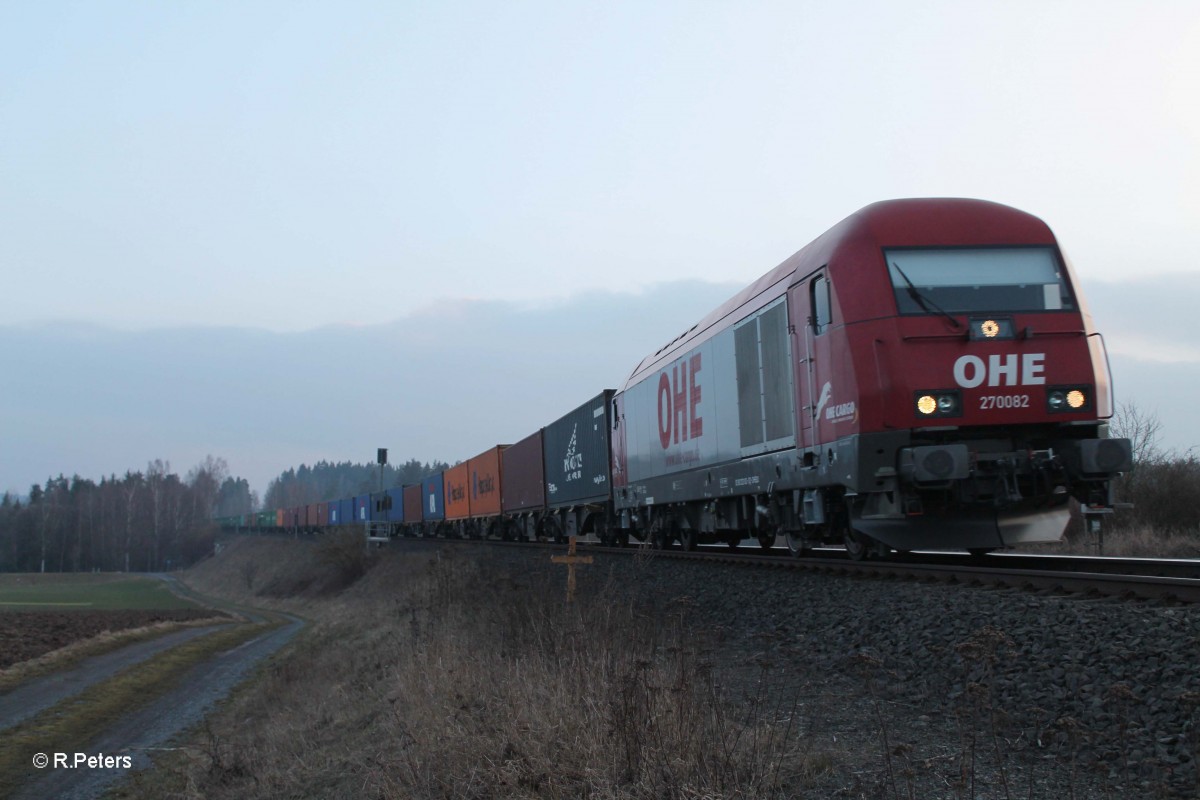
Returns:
(1001, 370)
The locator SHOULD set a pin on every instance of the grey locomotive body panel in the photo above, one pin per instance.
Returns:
(728, 400)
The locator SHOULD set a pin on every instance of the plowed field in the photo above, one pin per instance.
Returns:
(29, 634)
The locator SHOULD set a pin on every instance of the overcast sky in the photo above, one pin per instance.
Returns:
(291, 166)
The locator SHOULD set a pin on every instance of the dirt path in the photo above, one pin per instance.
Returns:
(39, 694)
(150, 727)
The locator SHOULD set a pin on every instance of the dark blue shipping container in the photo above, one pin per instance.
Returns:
(346, 511)
(362, 508)
(384, 504)
(396, 512)
(376, 510)
(433, 500)
(576, 450)
(331, 514)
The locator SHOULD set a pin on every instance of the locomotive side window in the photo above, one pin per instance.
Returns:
(968, 280)
(763, 362)
(820, 305)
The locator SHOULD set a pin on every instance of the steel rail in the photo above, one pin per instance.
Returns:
(1171, 580)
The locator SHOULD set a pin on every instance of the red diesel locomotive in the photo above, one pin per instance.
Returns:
(924, 375)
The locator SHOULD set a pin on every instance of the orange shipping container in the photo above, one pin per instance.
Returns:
(458, 498)
(485, 476)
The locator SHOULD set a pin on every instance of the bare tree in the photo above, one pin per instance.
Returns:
(133, 481)
(1141, 428)
(205, 480)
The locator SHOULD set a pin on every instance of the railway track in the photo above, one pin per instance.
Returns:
(1170, 580)
(1143, 579)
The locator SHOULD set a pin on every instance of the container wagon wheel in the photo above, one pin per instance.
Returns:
(554, 530)
(766, 535)
(660, 537)
(689, 538)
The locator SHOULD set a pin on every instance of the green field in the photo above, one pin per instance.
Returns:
(68, 591)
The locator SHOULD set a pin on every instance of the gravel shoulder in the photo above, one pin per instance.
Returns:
(956, 692)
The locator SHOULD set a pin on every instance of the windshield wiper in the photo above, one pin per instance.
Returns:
(923, 301)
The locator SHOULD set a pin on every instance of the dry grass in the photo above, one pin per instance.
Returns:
(1129, 542)
(436, 675)
(441, 677)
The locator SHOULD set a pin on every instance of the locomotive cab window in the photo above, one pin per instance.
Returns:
(967, 280)
(821, 317)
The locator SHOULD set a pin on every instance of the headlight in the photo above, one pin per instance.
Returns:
(991, 328)
(938, 403)
(1067, 399)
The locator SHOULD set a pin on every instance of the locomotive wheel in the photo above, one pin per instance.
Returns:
(734, 542)
(858, 546)
(796, 545)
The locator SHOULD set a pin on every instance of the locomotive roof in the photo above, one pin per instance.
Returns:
(931, 222)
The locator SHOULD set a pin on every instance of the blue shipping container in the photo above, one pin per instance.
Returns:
(362, 508)
(346, 511)
(432, 498)
(331, 513)
(396, 512)
(380, 505)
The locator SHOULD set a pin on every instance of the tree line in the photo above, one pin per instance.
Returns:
(142, 521)
(332, 481)
(155, 519)
(1164, 484)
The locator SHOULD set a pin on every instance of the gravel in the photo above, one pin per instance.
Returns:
(980, 693)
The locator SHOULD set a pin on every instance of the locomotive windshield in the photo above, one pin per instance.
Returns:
(968, 280)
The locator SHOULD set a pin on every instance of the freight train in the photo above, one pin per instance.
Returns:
(924, 375)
